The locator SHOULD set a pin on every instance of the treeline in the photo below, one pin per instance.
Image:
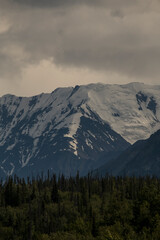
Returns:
(80, 208)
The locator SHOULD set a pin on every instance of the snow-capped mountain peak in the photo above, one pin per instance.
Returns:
(75, 126)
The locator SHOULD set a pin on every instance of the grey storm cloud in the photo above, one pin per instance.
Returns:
(54, 3)
(119, 36)
(60, 3)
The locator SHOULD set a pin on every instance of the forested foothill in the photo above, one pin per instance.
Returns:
(80, 208)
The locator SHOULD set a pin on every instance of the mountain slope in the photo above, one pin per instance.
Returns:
(74, 128)
(132, 110)
(142, 158)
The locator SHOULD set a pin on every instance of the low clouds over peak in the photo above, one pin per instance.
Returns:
(107, 36)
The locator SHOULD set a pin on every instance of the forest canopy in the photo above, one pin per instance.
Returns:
(80, 208)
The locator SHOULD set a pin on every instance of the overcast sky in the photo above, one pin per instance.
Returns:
(45, 44)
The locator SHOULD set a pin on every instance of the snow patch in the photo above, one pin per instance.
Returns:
(89, 143)
(9, 148)
(73, 145)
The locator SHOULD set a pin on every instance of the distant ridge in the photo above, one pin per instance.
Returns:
(140, 159)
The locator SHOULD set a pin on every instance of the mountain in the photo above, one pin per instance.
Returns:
(73, 129)
(140, 159)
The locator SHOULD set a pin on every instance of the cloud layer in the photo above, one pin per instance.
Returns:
(109, 36)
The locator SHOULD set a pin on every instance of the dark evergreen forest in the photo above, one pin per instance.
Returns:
(80, 208)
